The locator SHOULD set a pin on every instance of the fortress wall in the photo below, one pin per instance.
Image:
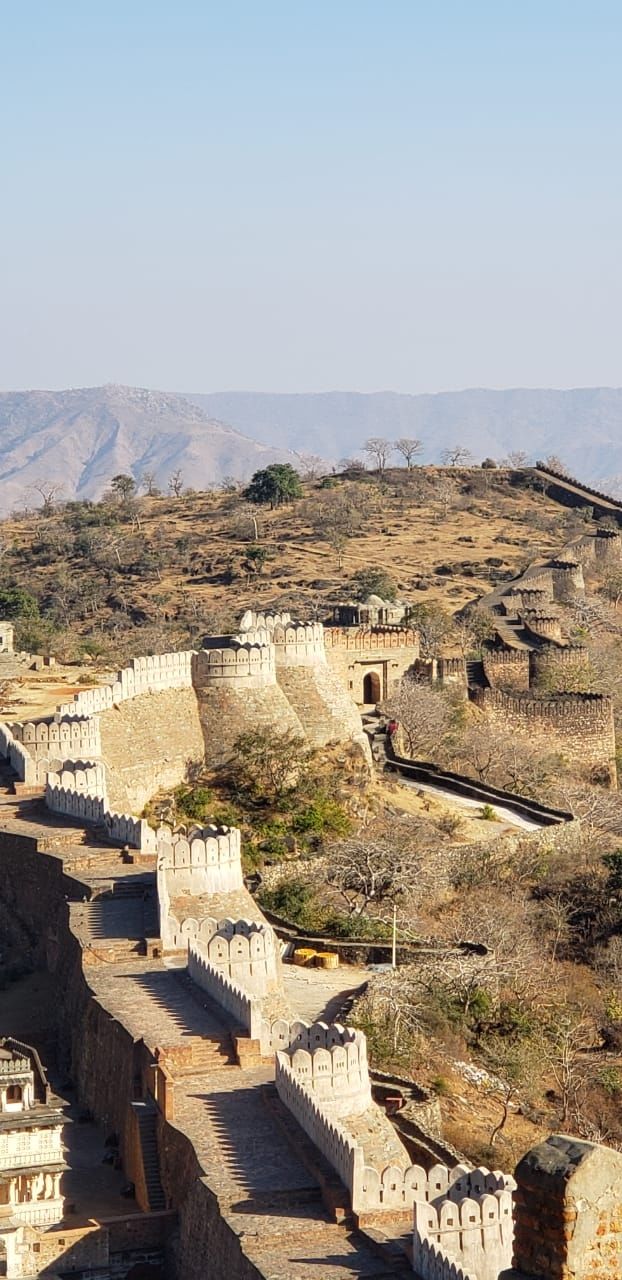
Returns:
(147, 743)
(201, 860)
(607, 546)
(157, 673)
(578, 725)
(335, 1143)
(476, 1234)
(326, 711)
(244, 1007)
(540, 579)
(506, 668)
(553, 660)
(227, 711)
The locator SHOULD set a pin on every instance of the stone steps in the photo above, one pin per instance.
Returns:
(146, 1116)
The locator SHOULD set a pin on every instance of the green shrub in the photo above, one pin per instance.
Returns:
(488, 814)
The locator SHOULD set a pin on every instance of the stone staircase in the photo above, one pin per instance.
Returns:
(146, 1117)
(475, 674)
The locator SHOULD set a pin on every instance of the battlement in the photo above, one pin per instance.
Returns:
(152, 674)
(244, 1007)
(607, 545)
(544, 626)
(246, 950)
(253, 620)
(337, 1073)
(200, 860)
(65, 738)
(296, 643)
(505, 667)
(85, 776)
(370, 638)
(475, 1234)
(238, 665)
(592, 707)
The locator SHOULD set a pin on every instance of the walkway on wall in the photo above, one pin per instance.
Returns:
(457, 790)
(573, 489)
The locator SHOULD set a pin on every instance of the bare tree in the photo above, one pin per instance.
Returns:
(555, 463)
(457, 455)
(176, 484)
(409, 449)
(366, 871)
(611, 587)
(148, 481)
(379, 450)
(49, 494)
(444, 491)
(310, 465)
(517, 458)
(423, 715)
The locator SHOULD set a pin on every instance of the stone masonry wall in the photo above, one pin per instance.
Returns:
(147, 743)
(578, 725)
(506, 668)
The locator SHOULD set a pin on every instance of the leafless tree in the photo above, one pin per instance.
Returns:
(366, 871)
(517, 458)
(555, 463)
(379, 450)
(612, 586)
(423, 715)
(409, 448)
(457, 455)
(310, 465)
(444, 492)
(148, 481)
(176, 483)
(49, 494)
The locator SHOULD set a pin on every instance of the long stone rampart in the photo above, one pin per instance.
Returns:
(579, 725)
(144, 675)
(330, 1137)
(476, 1234)
(122, 828)
(244, 1007)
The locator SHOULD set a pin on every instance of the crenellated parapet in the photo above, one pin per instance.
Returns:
(364, 639)
(234, 666)
(201, 860)
(85, 776)
(337, 1071)
(246, 950)
(542, 624)
(579, 726)
(568, 581)
(152, 674)
(474, 1233)
(51, 741)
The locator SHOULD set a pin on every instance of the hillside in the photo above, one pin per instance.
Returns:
(583, 426)
(120, 579)
(78, 440)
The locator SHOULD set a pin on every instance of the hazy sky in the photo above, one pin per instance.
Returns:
(310, 194)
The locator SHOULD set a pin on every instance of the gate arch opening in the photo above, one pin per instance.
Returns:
(371, 687)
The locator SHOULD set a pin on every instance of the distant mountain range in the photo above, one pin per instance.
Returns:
(78, 440)
(584, 426)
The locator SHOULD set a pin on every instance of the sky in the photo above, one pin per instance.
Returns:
(306, 195)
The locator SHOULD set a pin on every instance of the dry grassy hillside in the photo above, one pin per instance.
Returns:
(118, 578)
